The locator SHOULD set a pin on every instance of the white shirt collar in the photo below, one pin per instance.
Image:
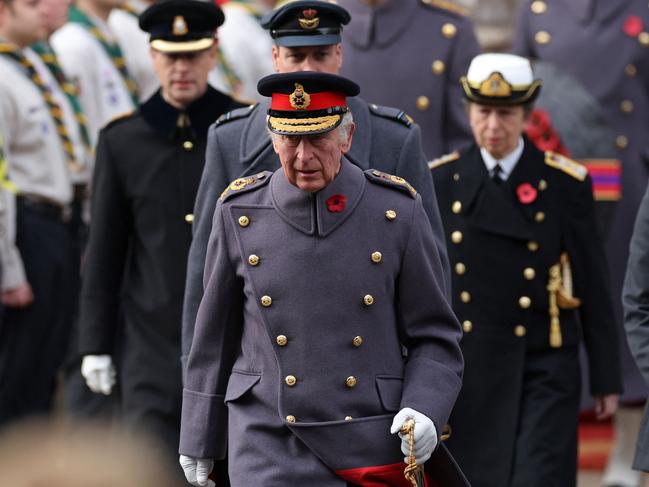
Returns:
(507, 163)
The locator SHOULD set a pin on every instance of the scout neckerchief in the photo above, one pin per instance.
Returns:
(44, 50)
(12, 51)
(111, 48)
(4, 171)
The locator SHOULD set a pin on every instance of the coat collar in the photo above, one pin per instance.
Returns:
(308, 212)
(378, 26)
(163, 117)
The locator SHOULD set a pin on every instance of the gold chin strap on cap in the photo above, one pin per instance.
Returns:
(560, 297)
(413, 473)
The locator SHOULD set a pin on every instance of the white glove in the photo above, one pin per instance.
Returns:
(425, 434)
(99, 372)
(196, 470)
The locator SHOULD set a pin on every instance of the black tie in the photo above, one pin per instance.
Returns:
(498, 173)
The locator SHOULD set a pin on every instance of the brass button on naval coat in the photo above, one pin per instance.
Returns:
(643, 38)
(376, 257)
(244, 221)
(456, 177)
(465, 296)
(449, 30)
(422, 103)
(626, 106)
(460, 268)
(542, 37)
(467, 326)
(390, 214)
(630, 70)
(538, 7)
(532, 246)
(189, 218)
(368, 300)
(529, 273)
(188, 145)
(351, 381)
(520, 331)
(438, 67)
(253, 260)
(621, 141)
(281, 340)
(357, 341)
(456, 237)
(348, 418)
(290, 380)
(291, 419)
(266, 301)
(524, 302)
(456, 207)
(539, 217)
(543, 185)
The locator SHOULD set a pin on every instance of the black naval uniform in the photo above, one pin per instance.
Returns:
(148, 168)
(515, 421)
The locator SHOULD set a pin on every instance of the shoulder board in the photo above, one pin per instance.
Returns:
(566, 165)
(386, 179)
(447, 5)
(119, 118)
(235, 114)
(391, 113)
(241, 185)
(445, 159)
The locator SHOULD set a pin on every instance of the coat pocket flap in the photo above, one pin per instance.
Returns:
(239, 384)
(389, 388)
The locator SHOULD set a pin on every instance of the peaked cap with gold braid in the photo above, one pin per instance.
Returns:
(500, 79)
(306, 102)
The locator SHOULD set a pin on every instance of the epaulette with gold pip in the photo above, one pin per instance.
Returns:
(235, 114)
(567, 165)
(391, 113)
(445, 159)
(447, 5)
(392, 181)
(242, 185)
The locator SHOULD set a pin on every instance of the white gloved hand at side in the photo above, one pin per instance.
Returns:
(425, 434)
(99, 373)
(196, 470)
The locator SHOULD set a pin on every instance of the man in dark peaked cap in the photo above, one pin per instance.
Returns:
(529, 281)
(147, 172)
(307, 38)
(317, 275)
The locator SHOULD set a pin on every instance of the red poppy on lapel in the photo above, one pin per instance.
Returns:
(336, 203)
(526, 193)
(632, 26)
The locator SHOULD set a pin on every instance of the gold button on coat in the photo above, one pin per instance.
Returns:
(524, 302)
(543, 185)
(532, 246)
(465, 296)
(456, 177)
(538, 7)
(390, 214)
(290, 380)
(189, 218)
(529, 273)
(348, 418)
(266, 301)
(357, 341)
(188, 145)
(290, 419)
(244, 221)
(368, 300)
(281, 340)
(460, 268)
(539, 217)
(467, 326)
(456, 237)
(542, 37)
(643, 38)
(376, 257)
(438, 67)
(351, 381)
(456, 207)
(626, 106)
(449, 30)
(253, 260)
(423, 103)
(520, 331)
(621, 141)
(630, 70)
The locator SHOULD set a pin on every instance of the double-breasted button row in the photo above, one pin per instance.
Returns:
(350, 381)
(519, 330)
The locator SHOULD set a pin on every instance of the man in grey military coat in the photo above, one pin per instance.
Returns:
(239, 145)
(316, 276)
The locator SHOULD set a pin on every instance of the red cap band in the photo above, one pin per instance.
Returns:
(318, 101)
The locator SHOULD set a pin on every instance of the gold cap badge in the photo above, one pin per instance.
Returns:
(309, 21)
(299, 99)
(495, 85)
(179, 26)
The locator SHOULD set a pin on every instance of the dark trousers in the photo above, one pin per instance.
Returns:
(34, 339)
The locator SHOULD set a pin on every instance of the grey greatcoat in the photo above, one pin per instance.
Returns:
(300, 332)
(239, 145)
